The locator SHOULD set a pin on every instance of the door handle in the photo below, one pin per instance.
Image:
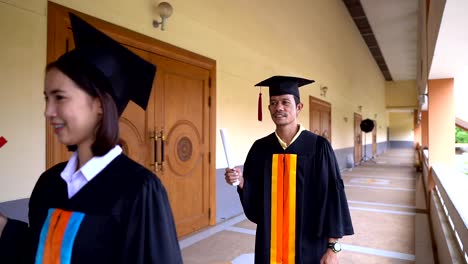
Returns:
(158, 162)
(154, 137)
(163, 139)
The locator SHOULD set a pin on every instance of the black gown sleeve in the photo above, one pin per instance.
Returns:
(151, 235)
(336, 219)
(13, 241)
(251, 195)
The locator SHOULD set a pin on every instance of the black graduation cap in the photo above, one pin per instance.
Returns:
(279, 85)
(130, 77)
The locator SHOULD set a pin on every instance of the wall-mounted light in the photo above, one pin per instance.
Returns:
(323, 91)
(164, 10)
(359, 108)
(345, 119)
(422, 99)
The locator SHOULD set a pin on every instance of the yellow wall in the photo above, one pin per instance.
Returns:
(22, 53)
(401, 94)
(250, 41)
(401, 126)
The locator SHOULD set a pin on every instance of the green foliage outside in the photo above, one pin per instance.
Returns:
(461, 136)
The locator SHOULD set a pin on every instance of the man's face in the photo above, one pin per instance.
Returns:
(283, 109)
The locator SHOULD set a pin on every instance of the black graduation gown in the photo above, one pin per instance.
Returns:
(321, 207)
(12, 241)
(121, 216)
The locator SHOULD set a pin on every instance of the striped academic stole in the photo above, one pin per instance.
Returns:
(283, 209)
(57, 236)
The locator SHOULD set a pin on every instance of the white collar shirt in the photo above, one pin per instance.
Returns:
(76, 179)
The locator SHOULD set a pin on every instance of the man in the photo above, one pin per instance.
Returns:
(291, 186)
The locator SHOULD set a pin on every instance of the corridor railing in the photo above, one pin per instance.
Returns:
(446, 195)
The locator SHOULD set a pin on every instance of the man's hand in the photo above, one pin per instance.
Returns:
(3, 221)
(233, 175)
(329, 257)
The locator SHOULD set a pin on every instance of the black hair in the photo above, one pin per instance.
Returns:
(93, 82)
(297, 100)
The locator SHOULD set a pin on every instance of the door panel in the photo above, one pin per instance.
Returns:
(320, 117)
(357, 139)
(374, 140)
(183, 116)
(326, 124)
(315, 125)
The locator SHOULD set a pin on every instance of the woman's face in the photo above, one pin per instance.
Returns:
(72, 113)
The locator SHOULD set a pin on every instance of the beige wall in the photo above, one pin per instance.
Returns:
(401, 98)
(250, 41)
(401, 94)
(401, 126)
(22, 53)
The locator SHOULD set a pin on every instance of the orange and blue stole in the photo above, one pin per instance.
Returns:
(283, 209)
(57, 236)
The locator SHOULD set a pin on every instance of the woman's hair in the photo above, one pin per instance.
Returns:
(93, 82)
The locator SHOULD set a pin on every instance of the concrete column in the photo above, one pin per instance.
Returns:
(424, 129)
(417, 129)
(441, 121)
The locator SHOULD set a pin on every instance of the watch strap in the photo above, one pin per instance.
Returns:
(331, 245)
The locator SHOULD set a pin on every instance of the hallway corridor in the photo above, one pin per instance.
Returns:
(382, 200)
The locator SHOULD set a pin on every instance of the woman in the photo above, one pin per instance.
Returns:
(100, 206)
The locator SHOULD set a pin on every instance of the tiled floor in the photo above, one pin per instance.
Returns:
(381, 196)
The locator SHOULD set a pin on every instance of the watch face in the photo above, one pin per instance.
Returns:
(337, 246)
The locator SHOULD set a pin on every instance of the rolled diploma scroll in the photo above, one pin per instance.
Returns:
(227, 151)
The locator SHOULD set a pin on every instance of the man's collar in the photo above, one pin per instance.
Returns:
(283, 144)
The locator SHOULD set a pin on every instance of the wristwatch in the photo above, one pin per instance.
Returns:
(334, 246)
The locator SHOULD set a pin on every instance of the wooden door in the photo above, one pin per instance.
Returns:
(320, 117)
(374, 140)
(357, 139)
(179, 112)
(182, 120)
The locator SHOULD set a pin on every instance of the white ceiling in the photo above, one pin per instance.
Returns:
(395, 26)
(451, 52)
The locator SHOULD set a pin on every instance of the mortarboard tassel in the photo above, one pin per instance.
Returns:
(3, 141)
(260, 105)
